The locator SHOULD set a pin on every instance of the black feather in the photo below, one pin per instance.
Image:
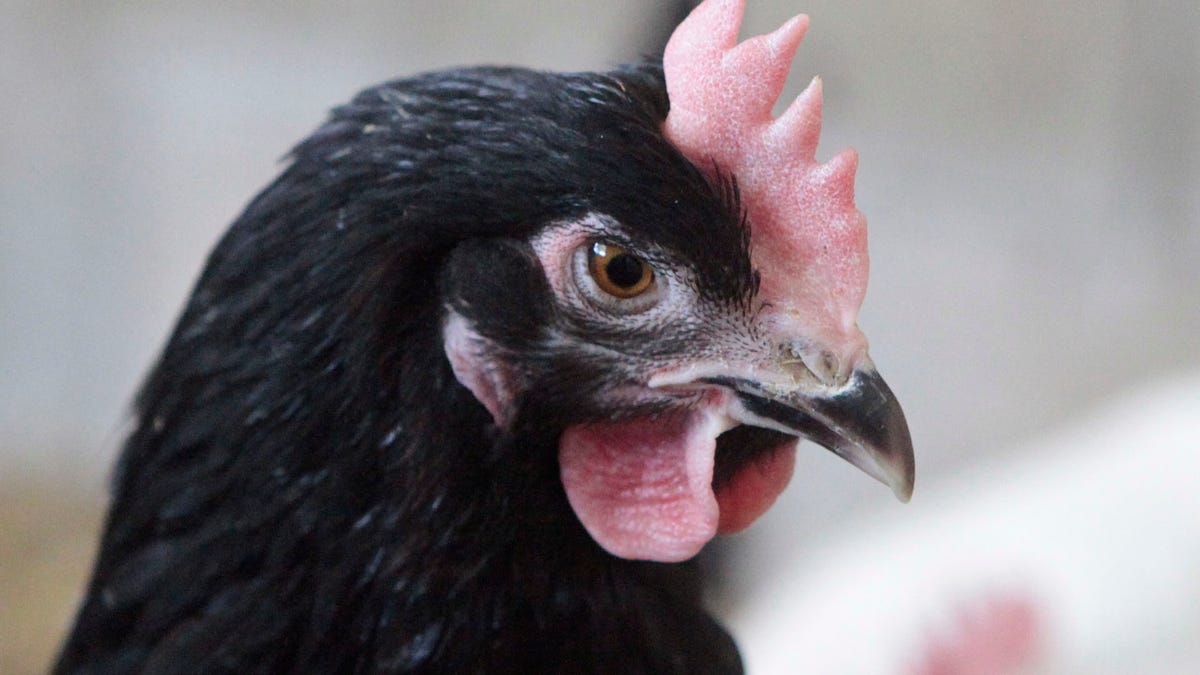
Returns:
(309, 489)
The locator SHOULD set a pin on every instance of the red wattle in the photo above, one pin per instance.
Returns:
(755, 488)
(642, 487)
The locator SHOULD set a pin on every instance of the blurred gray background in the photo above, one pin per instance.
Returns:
(1030, 171)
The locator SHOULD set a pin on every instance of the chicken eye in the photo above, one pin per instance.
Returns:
(618, 272)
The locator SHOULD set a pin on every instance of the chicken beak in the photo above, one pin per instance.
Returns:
(861, 421)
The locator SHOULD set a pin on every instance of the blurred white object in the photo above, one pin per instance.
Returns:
(1090, 536)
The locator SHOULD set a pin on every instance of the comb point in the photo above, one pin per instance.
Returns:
(839, 173)
(800, 124)
(714, 24)
(766, 60)
(786, 39)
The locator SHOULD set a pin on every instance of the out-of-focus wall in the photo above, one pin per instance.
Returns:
(1030, 170)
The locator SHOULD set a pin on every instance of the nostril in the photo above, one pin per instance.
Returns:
(823, 364)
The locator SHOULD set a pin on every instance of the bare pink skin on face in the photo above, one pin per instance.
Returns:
(808, 241)
(643, 487)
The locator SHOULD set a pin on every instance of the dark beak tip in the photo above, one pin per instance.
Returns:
(904, 491)
(901, 446)
(862, 422)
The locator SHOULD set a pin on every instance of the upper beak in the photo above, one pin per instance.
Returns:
(861, 421)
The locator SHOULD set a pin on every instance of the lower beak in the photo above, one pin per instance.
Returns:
(861, 421)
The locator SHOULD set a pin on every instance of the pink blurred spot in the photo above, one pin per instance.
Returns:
(1002, 636)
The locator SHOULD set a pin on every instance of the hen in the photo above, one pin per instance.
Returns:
(496, 346)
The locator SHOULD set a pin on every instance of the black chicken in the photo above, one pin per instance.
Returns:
(448, 394)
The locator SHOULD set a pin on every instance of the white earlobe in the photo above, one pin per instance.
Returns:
(477, 367)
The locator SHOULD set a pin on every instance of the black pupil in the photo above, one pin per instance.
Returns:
(624, 270)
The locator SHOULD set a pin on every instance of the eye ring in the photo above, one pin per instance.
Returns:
(615, 279)
(618, 272)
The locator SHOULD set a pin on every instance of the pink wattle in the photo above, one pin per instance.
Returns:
(755, 488)
(643, 487)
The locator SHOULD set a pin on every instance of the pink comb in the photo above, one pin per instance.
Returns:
(809, 242)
